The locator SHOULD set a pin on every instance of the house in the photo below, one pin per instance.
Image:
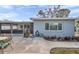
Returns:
(51, 22)
(54, 22)
(77, 25)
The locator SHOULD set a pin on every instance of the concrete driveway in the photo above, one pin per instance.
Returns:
(36, 45)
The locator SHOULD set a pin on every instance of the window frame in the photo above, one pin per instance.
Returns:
(46, 25)
(54, 23)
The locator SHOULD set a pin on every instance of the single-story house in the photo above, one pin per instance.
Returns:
(54, 22)
(59, 27)
(49, 22)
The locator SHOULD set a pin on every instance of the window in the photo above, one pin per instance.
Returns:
(53, 26)
(59, 26)
(46, 26)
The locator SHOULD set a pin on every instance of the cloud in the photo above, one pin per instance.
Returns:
(6, 6)
(68, 6)
(12, 16)
(75, 11)
(51, 6)
(9, 15)
(24, 12)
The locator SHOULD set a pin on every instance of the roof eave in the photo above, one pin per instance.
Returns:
(40, 19)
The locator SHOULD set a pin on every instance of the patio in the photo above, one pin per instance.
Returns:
(36, 45)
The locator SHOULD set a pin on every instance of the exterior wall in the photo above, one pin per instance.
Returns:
(67, 28)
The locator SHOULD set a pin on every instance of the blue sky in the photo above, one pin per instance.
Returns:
(24, 12)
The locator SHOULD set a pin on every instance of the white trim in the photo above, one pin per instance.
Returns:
(53, 30)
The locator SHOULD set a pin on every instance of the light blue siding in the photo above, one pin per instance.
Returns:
(67, 28)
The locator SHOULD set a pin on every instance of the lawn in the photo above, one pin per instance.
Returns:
(64, 51)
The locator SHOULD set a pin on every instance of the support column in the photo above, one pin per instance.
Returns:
(11, 27)
(17, 26)
(23, 30)
(0, 28)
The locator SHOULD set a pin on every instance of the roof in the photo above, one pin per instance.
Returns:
(53, 19)
(17, 22)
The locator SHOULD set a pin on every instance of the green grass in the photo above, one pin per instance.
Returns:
(64, 51)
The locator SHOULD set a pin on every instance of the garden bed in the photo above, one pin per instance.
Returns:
(54, 38)
(64, 51)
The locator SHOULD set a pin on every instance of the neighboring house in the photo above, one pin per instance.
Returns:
(77, 25)
(54, 23)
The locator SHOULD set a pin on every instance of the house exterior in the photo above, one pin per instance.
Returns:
(49, 22)
(54, 27)
(77, 25)
(54, 23)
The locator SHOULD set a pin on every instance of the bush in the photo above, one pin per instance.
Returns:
(64, 51)
(49, 38)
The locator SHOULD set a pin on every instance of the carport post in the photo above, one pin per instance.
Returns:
(23, 30)
(11, 29)
(0, 28)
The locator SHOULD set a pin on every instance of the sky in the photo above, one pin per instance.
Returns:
(25, 12)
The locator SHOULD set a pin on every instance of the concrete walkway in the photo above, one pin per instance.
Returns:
(36, 45)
